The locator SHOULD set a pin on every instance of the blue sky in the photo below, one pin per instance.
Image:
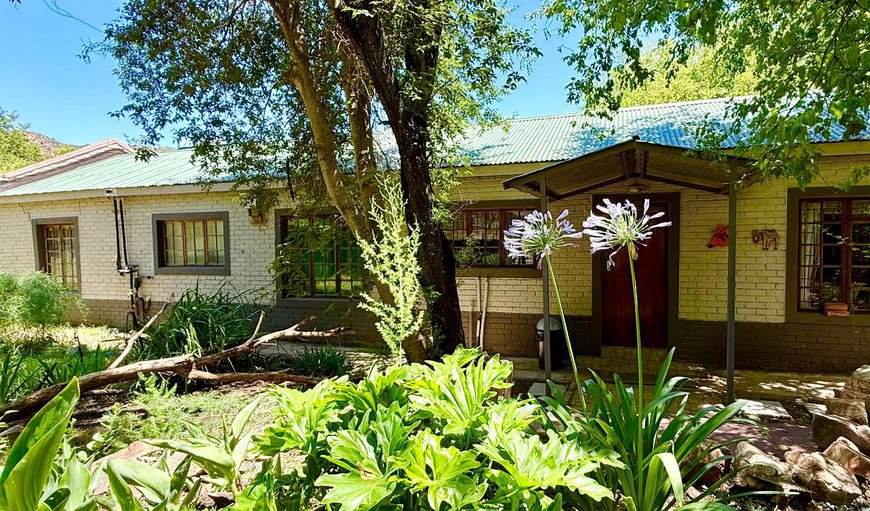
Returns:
(58, 94)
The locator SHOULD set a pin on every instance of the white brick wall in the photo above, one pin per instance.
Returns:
(760, 278)
(252, 247)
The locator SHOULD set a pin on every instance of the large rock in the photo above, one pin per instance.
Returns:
(854, 394)
(827, 480)
(860, 380)
(847, 454)
(828, 428)
(752, 462)
(853, 409)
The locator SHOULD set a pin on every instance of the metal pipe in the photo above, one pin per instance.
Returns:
(124, 233)
(731, 313)
(117, 236)
(483, 311)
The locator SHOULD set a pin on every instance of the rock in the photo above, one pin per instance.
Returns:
(752, 463)
(215, 500)
(827, 480)
(718, 462)
(11, 433)
(849, 456)
(828, 428)
(853, 409)
(860, 380)
(854, 394)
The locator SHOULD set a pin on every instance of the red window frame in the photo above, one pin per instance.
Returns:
(466, 226)
(841, 242)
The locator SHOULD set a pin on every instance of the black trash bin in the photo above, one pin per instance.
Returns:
(557, 343)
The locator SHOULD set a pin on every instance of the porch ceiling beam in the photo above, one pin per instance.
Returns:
(688, 184)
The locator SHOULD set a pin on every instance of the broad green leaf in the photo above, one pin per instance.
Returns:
(353, 492)
(49, 422)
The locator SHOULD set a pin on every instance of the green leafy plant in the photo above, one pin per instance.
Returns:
(220, 456)
(36, 300)
(423, 437)
(30, 480)
(318, 361)
(391, 258)
(676, 448)
(160, 488)
(202, 323)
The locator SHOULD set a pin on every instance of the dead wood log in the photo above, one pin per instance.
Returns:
(182, 365)
(135, 337)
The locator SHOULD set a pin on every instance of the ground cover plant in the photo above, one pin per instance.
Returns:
(200, 322)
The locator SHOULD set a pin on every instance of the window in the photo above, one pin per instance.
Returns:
(318, 256)
(57, 250)
(477, 236)
(834, 253)
(192, 243)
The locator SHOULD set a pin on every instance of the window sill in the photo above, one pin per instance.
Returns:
(517, 273)
(299, 300)
(192, 270)
(817, 318)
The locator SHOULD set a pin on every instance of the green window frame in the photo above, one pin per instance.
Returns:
(318, 257)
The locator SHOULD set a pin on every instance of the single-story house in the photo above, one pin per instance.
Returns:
(802, 260)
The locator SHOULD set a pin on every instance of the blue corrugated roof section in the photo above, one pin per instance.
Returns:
(530, 140)
(123, 171)
(559, 137)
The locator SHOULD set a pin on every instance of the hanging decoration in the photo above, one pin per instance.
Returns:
(767, 238)
(719, 238)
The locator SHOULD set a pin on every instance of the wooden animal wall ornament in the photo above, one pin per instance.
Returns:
(720, 237)
(766, 237)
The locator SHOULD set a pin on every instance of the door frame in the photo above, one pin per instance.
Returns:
(672, 199)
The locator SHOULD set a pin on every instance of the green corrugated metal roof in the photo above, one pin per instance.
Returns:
(537, 139)
(122, 171)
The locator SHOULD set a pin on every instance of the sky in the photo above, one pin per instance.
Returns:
(58, 94)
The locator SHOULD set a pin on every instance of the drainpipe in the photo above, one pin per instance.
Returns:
(731, 329)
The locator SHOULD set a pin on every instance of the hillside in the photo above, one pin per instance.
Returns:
(48, 146)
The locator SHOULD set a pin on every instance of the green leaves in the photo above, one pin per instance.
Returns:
(160, 488)
(406, 439)
(26, 476)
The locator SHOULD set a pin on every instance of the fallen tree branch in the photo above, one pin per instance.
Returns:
(182, 365)
(135, 337)
(273, 376)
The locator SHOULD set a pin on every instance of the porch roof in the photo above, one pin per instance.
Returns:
(631, 159)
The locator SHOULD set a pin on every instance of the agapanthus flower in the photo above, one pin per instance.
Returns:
(620, 227)
(538, 235)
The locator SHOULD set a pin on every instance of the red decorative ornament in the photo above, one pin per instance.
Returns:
(720, 237)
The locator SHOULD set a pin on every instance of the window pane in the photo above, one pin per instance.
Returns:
(509, 217)
(861, 207)
(860, 289)
(295, 258)
(485, 238)
(811, 212)
(59, 253)
(832, 211)
(832, 256)
(833, 233)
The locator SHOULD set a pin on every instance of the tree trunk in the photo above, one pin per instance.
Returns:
(408, 118)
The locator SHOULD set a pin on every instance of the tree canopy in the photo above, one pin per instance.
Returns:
(812, 62)
(699, 77)
(16, 149)
(311, 93)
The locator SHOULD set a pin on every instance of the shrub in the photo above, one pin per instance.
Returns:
(36, 300)
(201, 323)
(319, 361)
(391, 258)
(420, 437)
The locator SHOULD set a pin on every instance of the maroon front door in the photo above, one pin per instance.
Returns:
(617, 304)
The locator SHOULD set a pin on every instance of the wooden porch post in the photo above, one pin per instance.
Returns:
(732, 285)
(545, 280)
